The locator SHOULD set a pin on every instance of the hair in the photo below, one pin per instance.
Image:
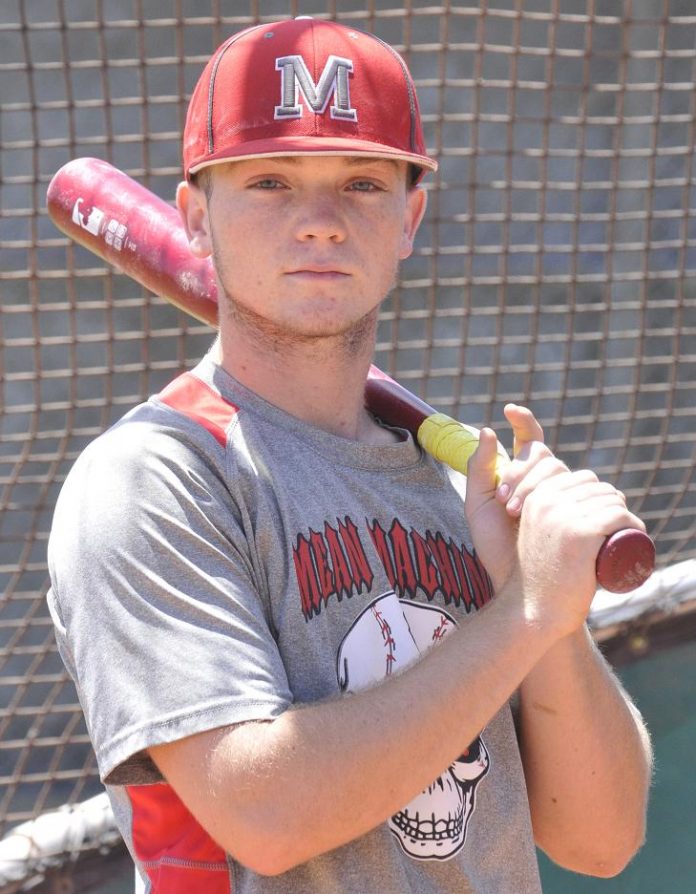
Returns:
(413, 174)
(204, 181)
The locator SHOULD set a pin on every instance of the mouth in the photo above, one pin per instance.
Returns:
(317, 272)
(311, 276)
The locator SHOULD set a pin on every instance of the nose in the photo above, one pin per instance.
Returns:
(320, 218)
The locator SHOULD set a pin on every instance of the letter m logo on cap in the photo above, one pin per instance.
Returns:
(296, 79)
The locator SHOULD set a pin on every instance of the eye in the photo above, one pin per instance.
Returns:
(267, 183)
(365, 186)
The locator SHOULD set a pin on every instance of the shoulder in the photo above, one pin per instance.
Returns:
(148, 443)
(164, 455)
(187, 422)
(145, 490)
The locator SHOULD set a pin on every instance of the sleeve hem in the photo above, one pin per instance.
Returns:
(123, 751)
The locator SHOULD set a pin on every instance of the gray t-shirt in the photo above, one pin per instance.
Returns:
(214, 561)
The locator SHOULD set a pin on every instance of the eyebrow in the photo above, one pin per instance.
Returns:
(359, 160)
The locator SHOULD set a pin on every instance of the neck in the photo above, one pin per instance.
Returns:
(318, 380)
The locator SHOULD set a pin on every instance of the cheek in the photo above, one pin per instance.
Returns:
(393, 247)
(241, 223)
(392, 233)
(241, 251)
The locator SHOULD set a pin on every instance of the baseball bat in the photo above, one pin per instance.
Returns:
(128, 226)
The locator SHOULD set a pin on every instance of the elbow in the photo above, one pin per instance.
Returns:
(270, 861)
(600, 859)
(263, 862)
(266, 849)
(616, 851)
(267, 862)
(599, 844)
(610, 864)
(614, 861)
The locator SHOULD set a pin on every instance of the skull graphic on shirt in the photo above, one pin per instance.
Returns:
(388, 635)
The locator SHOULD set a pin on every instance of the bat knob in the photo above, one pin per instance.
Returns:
(625, 561)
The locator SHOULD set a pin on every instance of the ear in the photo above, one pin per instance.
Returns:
(193, 208)
(416, 201)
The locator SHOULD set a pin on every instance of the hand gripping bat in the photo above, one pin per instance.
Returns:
(131, 228)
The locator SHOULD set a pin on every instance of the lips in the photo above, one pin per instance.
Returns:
(318, 272)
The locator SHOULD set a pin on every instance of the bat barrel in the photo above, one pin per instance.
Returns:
(130, 227)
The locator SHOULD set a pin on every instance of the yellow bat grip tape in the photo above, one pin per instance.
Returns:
(453, 442)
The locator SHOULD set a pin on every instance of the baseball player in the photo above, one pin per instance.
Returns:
(311, 658)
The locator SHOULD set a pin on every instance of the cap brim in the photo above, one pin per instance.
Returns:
(284, 146)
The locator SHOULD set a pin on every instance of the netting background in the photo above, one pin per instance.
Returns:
(556, 267)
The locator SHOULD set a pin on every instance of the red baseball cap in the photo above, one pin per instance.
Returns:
(299, 87)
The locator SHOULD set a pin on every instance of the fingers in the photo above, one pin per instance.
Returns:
(528, 451)
(525, 426)
(597, 506)
(483, 465)
(535, 466)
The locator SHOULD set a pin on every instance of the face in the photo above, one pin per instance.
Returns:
(304, 247)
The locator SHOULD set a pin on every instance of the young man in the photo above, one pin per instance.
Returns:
(295, 637)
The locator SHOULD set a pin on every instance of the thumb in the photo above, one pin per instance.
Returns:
(482, 477)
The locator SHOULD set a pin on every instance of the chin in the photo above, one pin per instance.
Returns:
(309, 320)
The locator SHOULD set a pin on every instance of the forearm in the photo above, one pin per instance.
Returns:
(587, 759)
(277, 794)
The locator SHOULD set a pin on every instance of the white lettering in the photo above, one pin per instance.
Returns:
(333, 82)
